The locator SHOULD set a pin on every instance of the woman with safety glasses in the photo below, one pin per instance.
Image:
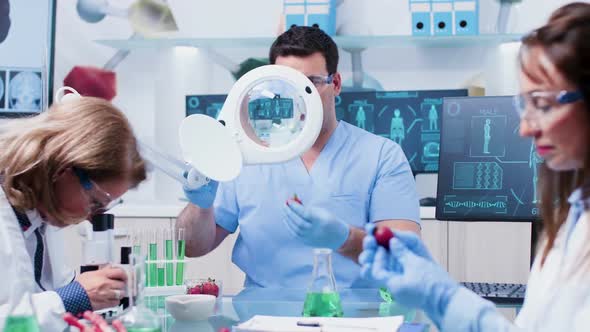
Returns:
(555, 112)
(58, 169)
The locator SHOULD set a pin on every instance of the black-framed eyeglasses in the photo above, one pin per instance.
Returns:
(100, 200)
(539, 104)
(319, 80)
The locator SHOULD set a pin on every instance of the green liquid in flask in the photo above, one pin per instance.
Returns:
(143, 329)
(322, 305)
(21, 324)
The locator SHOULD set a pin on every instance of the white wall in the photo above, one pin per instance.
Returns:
(152, 83)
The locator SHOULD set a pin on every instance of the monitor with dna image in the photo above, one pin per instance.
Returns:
(487, 172)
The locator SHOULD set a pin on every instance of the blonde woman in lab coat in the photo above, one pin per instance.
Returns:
(57, 169)
(555, 112)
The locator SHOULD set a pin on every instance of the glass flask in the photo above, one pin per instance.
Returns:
(22, 315)
(322, 299)
(138, 318)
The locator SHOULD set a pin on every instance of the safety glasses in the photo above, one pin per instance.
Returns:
(99, 200)
(320, 81)
(540, 106)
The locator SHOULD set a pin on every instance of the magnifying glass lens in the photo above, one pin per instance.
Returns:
(273, 113)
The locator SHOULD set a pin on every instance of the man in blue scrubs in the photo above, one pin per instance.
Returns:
(348, 178)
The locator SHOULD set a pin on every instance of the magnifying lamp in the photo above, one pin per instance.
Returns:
(272, 114)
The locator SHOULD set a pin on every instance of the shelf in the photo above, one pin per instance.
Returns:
(350, 42)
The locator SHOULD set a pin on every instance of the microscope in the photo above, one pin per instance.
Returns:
(99, 247)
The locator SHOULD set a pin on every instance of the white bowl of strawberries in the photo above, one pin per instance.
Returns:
(207, 286)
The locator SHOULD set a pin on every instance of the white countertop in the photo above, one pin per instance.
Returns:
(173, 209)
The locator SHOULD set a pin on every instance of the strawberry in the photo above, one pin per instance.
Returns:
(211, 288)
(198, 289)
(296, 199)
(383, 235)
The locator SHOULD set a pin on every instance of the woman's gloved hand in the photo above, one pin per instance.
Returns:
(315, 226)
(204, 196)
(410, 273)
(410, 239)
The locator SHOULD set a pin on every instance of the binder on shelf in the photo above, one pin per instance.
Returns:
(421, 21)
(466, 17)
(310, 12)
(442, 17)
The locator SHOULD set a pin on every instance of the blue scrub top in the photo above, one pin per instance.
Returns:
(358, 176)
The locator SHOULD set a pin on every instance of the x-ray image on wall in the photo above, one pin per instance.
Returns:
(26, 56)
(25, 91)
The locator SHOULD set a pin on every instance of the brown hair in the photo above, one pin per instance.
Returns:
(88, 133)
(564, 41)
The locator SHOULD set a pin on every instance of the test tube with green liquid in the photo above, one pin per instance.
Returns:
(169, 258)
(180, 257)
(161, 255)
(153, 256)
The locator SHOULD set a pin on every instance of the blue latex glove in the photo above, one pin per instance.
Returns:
(410, 239)
(204, 196)
(410, 274)
(315, 226)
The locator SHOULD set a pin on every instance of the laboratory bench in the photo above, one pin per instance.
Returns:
(470, 251)
(238, 308)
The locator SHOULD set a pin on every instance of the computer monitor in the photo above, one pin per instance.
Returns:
(409, 118)
(204, 104)
(487, 171)
(26, 57)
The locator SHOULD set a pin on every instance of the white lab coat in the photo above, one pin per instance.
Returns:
(558, 299)
(17, 267)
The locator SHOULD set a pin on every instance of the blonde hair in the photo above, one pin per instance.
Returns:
(87, 133)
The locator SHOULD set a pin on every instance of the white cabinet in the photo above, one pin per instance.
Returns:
(435, 236)
(489, 251)
(479, 251)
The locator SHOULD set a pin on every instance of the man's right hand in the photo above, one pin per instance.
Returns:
(105, 287)
(203, 196)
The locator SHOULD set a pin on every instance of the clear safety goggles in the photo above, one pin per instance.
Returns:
(100, 201)
(541, 106)
(319, 80)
